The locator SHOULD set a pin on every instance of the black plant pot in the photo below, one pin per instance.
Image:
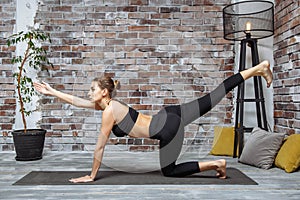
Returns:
(29, 146)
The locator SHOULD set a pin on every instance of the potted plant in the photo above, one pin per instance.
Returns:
(29, 143)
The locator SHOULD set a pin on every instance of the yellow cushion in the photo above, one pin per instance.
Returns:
(223, 141)
(288, 157)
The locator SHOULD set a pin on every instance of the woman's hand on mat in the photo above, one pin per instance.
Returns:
(84, 179)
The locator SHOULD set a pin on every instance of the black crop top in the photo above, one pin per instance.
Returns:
(124, 127)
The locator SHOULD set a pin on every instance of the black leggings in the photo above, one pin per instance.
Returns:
(168, 127)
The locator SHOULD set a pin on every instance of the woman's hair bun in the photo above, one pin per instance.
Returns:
(117, 84)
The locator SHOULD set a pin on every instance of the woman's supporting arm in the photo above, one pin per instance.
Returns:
(98, 156)
(107, 124)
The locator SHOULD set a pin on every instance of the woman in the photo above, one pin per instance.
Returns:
(167, 125)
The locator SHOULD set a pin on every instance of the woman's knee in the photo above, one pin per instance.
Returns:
(168, 173)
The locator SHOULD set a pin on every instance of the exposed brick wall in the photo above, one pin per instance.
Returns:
(7, 100)
(162, 51)
(287, 67)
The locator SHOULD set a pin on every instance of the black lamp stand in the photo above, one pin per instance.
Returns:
(259, 100)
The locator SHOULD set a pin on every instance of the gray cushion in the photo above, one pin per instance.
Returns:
(261, 148)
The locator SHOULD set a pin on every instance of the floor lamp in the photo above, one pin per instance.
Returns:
(247, 22)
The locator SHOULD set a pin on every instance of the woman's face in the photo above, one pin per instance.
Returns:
(96, 94)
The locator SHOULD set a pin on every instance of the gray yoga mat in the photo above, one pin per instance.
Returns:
(234, 177)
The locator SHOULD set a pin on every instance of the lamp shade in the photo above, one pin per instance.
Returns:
(253, 17)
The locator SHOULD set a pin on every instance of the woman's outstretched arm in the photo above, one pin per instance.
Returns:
(46, 89)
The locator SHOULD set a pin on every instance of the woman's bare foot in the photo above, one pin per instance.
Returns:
(263, 69)
(218, 165)
(221, 168)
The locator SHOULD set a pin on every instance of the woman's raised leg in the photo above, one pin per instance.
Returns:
(193, 110)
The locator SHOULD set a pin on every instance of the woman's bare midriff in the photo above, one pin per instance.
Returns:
(141, 127)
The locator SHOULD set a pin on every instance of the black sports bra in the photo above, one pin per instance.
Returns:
(124, 127)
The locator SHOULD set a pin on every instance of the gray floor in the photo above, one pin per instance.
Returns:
(273, 183)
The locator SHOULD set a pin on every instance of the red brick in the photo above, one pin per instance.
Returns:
(139, 2)
(10, 101)
(60, 48)
(2, 113)
(138, 28)
(161, 16)
(142, 148)
(51, 120)
(82, 48)
(6, 126)
(150, 142)
(7, 107)
(127, 9)
(107, 35)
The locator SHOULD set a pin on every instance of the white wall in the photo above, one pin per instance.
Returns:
(26, 10)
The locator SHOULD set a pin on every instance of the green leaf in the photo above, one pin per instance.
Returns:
(31, 44)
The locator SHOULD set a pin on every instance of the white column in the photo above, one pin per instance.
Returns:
(26, 11)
